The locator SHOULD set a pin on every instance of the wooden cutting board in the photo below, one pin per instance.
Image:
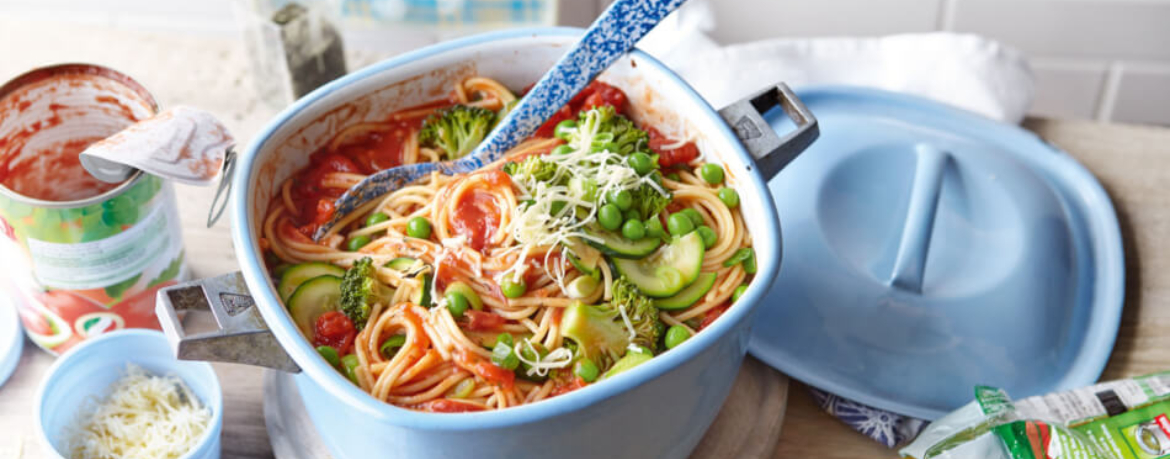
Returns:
(747, 427)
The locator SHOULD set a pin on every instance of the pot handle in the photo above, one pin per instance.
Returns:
(771, 151)
(240, 335)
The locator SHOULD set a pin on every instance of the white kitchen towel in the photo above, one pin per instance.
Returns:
(966, 71)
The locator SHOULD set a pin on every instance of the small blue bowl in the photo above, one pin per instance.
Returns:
(90, 368)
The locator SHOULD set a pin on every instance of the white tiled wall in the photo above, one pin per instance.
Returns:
(1093, 59)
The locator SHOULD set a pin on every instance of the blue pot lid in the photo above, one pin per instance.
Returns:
(11, 338)
(927, 250)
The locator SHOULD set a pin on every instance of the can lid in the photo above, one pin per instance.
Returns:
(11, 338)
(184, 144)
(928, 250)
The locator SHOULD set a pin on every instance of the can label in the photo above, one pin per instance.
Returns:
(79, 257)
(95, 269)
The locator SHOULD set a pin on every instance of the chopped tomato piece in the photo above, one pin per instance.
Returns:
(673, 156)
(713, 314)
(483, 321)
(493, 374)
(568, 386)
(549, 127)
(604, 94)
(445, 405)
(334, 329)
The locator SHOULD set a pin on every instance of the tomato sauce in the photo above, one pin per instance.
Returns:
(445, 405)
(670, 157)
(53, 174)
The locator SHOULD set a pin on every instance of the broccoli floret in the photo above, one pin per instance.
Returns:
(359, 289)
(649, 201)
(640, 309)
(457, 130)
(597, 331)
(533, 169)
(602, 126)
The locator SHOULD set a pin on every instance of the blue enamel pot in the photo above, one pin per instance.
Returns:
(658, 409)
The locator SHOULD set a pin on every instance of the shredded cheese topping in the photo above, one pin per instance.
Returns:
(558, 358)
(143, 416)
(536, 224)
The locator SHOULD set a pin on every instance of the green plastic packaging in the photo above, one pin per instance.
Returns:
(1124, 419)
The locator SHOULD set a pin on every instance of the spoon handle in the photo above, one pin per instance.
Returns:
(611, 36)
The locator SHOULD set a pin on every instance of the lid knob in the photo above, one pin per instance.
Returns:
(915, 242)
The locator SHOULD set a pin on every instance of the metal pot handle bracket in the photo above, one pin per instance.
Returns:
(771, 151)
(241, 335)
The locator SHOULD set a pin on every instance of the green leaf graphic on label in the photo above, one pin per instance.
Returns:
(169, 273)
(119, 211)
(115, 291)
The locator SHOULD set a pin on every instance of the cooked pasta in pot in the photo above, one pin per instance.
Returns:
(585, 251)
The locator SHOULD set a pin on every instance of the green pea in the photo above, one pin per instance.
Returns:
(610, 217)
(679, 224)
(623, 199)
(729, 197)
(565, 129)
(562, 150)
(504, 357)
(675, 335)
(694, 215)
(738, 293)
(749, 264)
(418, 227)
(457, 304)
(641, 162)
(391, 345)
(632, 214)
(738, 257)
(633, 230)
(708, 235)
(654, 227)
(330, 355)
(376, 218)
(587, 370)
(350, 362)
(711, 173)
(512, 289)
(356, 243)
(673, 176)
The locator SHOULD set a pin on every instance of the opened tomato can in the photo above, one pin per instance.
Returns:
(80, 257)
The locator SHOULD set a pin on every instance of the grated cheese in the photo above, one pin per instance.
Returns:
(536, 224)
(558, 358)
(143, 416)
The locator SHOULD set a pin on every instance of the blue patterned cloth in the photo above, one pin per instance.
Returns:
(882, 426)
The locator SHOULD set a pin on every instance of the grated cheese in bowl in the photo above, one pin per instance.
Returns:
(144, 415)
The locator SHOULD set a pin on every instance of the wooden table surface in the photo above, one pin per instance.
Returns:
(1132, 162)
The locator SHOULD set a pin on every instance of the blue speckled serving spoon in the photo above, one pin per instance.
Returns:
(611, 36)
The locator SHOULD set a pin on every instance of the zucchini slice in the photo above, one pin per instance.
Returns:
(423, 297)
(401, 263)
(619, 247)
(464, 289)
(669, 270)
(689, 295)
(314, 297)
(293, 277)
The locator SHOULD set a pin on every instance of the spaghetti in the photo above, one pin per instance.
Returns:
(511, 284)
